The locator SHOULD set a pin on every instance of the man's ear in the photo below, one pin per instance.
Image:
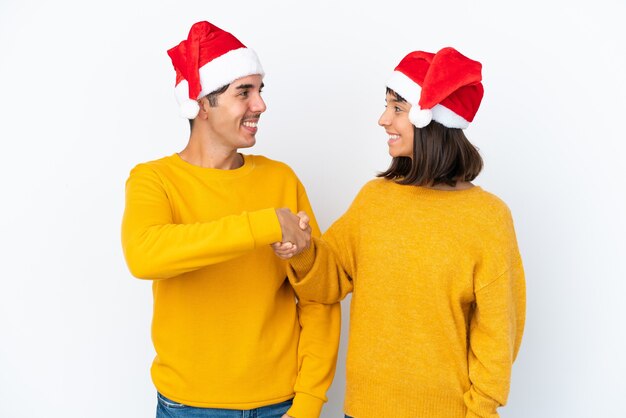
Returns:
(204, 107)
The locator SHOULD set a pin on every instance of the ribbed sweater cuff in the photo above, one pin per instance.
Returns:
(305, 406)
(479, 405)
(265, 227)
(303, 262)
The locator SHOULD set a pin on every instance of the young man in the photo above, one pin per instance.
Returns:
(229, 336)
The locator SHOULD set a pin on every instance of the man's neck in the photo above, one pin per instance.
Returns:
(204, 155)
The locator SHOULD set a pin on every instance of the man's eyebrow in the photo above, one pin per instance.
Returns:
(248, 86)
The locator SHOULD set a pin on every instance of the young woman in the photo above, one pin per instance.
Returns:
(438, 302)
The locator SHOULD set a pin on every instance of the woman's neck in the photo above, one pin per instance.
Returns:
(460, 185)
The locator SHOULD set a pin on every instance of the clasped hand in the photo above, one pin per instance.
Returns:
(296, 233)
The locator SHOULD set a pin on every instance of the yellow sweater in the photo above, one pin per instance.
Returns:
(226, 328)
(438, 302)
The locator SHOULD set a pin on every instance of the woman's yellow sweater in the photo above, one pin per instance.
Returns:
(438, 302)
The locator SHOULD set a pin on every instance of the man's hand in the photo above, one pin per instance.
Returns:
(286, 416)
(296, 233)
(304, 221)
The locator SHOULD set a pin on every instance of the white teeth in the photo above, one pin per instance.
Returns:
(394, 136)
(250, 124)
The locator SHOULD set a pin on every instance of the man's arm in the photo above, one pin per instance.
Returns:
(317, 357)
(156, 248)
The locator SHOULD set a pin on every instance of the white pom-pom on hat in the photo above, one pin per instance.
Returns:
(189, 109)
(420, 117)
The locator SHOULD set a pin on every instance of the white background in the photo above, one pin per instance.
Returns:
(86, 92)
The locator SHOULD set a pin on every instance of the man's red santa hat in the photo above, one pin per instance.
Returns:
(445, 87)
(207, 60)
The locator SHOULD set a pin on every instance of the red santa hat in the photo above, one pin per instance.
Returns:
(445, 87)
(208, 59)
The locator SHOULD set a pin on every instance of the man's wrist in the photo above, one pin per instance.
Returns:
(265, 227)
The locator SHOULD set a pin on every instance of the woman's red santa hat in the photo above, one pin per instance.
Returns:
(445, 87)
(207, 60)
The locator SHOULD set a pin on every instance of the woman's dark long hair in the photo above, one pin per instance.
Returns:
(440, 155)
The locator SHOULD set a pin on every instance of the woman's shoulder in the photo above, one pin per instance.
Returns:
(489, 213)
(372, 189)
(490, 202)
(374, 185)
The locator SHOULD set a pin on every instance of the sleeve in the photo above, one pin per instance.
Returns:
(495, 333)
(157, 248)
(318, 274)
(317, 356)
(324, 272)
(320, 326)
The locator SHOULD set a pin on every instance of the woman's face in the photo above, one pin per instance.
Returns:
(395, 120)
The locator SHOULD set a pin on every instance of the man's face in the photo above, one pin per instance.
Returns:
(233, 122)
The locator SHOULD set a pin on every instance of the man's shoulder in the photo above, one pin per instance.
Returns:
(160, 162)
(152, 166)
(263, 162)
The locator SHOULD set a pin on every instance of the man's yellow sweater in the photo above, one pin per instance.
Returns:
(226, 328)
(438, 302)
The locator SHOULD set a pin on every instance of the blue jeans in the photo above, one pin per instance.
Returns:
(169, 409)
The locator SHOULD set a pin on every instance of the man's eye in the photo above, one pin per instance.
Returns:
(397, 109)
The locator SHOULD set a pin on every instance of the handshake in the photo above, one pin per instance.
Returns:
(296, 233)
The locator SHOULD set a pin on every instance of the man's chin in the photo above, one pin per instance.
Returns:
(248, 143)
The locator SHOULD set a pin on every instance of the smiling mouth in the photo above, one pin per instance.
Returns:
(249, 124)
(393, 137)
